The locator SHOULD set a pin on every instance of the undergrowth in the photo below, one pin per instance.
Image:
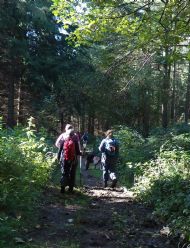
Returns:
(24, 171)
(158, 170)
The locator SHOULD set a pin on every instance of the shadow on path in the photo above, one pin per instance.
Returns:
(96, 217)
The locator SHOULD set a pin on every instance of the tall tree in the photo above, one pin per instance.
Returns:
(187, 99)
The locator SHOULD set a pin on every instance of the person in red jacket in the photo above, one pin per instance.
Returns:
(67, 155)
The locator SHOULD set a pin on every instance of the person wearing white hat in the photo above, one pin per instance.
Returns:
(69, 133)
(64, 135)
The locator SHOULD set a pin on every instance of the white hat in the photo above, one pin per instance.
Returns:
(68, 126)
(69, 131)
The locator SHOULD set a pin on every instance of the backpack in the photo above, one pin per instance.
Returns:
(69, 149)
(111, 148)
(85, 137)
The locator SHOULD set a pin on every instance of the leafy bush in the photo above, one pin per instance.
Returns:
(158, 168)
(130, 143)
(165, 184)
(24, 171)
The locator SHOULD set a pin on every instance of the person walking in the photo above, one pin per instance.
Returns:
(68, 145)
(109, 148)
(63, 135)
(84, 140)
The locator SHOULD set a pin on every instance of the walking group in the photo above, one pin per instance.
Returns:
(71, 145)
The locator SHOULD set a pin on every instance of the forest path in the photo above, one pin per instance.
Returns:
(96, 217)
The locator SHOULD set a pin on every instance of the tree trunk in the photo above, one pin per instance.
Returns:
(91, 123)
(78, 123)
(106, 125)
(145, 114)
(11, 96)
(166, 90)
(19, 102)
(173, 95)
(187, 100)
(62, 121)
(82, 122)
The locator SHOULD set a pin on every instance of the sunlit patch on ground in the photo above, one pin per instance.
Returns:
(94, 216)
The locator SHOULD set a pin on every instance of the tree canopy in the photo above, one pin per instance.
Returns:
(96, 63)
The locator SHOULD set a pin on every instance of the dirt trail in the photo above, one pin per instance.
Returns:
(97, 217)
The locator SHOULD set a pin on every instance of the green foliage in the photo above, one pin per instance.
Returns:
(25, 170)
(159, 168)
(130, 153)
(97, 19)
(132, 60)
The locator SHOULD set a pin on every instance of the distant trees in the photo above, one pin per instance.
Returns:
(145, 38)
(41, 75)
(114, 62)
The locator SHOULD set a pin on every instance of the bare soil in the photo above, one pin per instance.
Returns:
(95, 217)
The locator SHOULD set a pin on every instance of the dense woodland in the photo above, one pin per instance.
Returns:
(124, 62)
(97, 64)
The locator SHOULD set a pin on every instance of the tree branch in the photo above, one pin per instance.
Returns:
(127, 14)
(145, 62)
(160, 20)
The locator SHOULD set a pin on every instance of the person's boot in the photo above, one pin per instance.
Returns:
(70, 189)
(62, 189)
(105, 184)
(114, 182)
(87, 166)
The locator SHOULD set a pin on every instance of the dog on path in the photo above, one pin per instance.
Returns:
(92, 159)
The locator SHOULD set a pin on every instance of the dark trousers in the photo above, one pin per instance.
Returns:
(89, 159)
(109, 170)
(68, 169)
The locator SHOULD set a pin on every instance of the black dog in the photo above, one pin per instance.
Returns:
(92, 158)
